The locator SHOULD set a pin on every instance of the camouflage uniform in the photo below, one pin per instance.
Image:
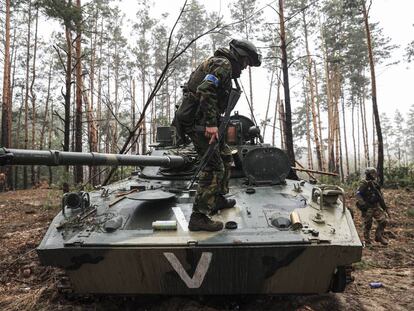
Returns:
(208, 99)
(369, 204)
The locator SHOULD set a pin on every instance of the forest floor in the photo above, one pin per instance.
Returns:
(25, 285)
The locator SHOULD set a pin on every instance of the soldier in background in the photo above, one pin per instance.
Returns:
(372, 206)
(205, 98)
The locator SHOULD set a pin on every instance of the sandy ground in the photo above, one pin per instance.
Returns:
(25, 285)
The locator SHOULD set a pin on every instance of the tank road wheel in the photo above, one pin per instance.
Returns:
(341, 278)
(338, 282)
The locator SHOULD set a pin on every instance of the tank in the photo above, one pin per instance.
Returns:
(284, 236)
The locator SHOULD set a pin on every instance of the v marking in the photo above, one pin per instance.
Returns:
(200, 272)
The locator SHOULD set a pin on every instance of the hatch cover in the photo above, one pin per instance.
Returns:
(266, 165)
(151, 195)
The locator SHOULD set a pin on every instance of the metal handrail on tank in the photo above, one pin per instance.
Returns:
(320, 190)
(56, 157)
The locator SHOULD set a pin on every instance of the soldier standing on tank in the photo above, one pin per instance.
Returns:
(205, 98)
(371, 204)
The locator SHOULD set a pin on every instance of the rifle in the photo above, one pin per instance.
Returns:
(381, 202)
(232, 101)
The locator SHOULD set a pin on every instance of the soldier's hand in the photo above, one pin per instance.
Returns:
(212, 133)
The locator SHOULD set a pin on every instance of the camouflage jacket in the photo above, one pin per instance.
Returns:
(212, 95)
(368, 193)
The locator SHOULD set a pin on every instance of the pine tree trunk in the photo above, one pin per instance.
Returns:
(318, 117)
(144, 126)
(46, 114)
(345, 136)
(6, 121)
(288, 111)
(358, 140)
(282, 124)
(374, 155)
(312, 94)
(92, 136)
(10, 172)
(365, 130)
(251, 92)
(17, 141)
(45, 117)
(99, 132)
(133, 114)
(353, 134)
(116, 104)
(73, 119)
(107, 113)
(33, 96)
(26, 98)
(338, 152)
(79, 83)
(380, 164)
(50, 142)
(268, 103)
(331, 120)
(167, 86)
(308, 138)
(277, 104)
(68, 85)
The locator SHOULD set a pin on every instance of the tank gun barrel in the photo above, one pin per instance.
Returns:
(55, 158)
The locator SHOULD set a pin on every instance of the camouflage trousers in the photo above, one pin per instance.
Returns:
(376, 213)
(214, 178)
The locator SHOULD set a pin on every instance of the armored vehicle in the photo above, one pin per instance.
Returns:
(132, 237)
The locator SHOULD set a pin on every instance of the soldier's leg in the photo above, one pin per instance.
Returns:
(226, 157)
(221, 201)
(381, 219)
(367, 224)
(207, 190)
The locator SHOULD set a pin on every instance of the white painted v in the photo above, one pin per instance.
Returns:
(200, 272)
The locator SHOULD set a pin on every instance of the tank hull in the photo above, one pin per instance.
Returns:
(256, 258)
(259, 269)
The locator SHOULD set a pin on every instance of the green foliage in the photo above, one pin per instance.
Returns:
(410, 212)
(217, 39)
(242, 10)
(62, 10)
(329, 180)
(192, 24)
(352, 181)
(399, 176)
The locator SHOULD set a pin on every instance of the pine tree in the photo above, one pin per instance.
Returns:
(246, 11)
(192, 24)
(410, 133)
(6, 121)
(400, 137)
(141, 51)
(409, 51)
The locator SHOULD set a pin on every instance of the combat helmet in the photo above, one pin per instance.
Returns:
(370, 171)
(244, 48)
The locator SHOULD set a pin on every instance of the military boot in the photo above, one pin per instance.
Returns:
(379, 234)
(367, 237)
(201, 222)
(222, 203)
